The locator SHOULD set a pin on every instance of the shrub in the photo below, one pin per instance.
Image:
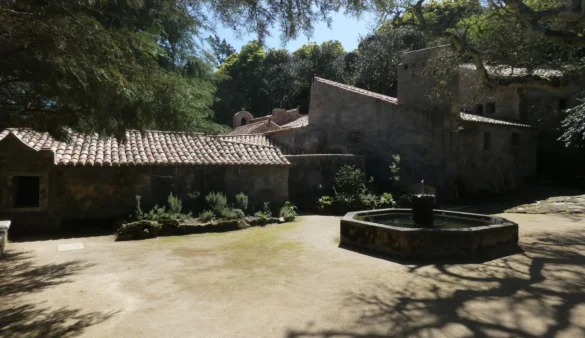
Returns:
(232, 213)
(387, 201)
(404, 201)
(369, 201)
(242, 201)
(288, 212)
(206, 216)
(175, 204)
(265, 215)
(325, 203)
(349, 180)
(138, 230)
(217, 202)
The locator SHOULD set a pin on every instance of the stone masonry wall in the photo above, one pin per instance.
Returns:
(312, 176)
(353, 123)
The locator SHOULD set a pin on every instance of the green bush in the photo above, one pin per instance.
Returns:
(325, 203)
(404, 201)
(138, 230)
(369, 201)
(175, 204)
(387, 200)
(206, 216)
(242, 201)
(288, 212)
(217, 202)
(265, 215)
(228, 213)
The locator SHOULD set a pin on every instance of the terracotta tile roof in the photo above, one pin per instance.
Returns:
(256, 128)
(300, 122)
(482, 119)
(246, 129)
(358, 90)
(155, 148)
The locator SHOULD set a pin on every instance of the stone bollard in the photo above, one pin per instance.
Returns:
(422, 210)
(4, 226)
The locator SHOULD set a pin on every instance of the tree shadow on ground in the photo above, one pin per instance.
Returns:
(20, 276)
(539, 293)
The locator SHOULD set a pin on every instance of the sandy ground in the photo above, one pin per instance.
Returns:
(292, 280)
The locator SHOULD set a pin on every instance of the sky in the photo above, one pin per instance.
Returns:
(343, 28)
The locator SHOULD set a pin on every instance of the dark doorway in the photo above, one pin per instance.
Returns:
(243, 122)
(25, 191)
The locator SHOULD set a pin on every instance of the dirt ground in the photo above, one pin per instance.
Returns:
(292, 280)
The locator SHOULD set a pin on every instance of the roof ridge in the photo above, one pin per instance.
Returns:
(357, 90)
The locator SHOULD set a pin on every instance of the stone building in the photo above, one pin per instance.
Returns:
(458, 151)
(44, 182)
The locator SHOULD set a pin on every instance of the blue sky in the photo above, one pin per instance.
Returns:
(343, 28)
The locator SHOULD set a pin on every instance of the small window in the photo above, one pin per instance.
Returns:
(515, 140)
(405, 66)
(414, 65)
(487, 141)
(25, 191)
(424, 64)
(562, 104)
(479, 109)
(355, 136)
(490, 108)
(243, 121)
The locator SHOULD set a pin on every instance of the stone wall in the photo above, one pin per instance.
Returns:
(83, 193)
(501, 166)
(470, 95)
(312, 176)
(354, 123)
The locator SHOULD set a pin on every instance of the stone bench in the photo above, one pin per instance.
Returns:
(4, 226)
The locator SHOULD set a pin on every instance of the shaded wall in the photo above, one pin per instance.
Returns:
(353, 123)
(313, 176)
(502, 167)
(69, 193)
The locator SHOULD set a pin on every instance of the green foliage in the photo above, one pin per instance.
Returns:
(349, 180)
(217, 202)
(242, 201)
(228, 213)
(206, 216)
(387, 200)
(395, 168)
(404, 201)
(194, 195)
(138, 230)
(325, 203)
(161, 213)
(265, 215)
(175, 204)
(102, 66)
(288, 212)
(574, 126)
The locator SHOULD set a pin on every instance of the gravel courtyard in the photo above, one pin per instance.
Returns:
(292, 280)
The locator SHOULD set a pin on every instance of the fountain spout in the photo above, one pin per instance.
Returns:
(422, 208)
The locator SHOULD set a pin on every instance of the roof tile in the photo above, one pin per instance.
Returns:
(156, 148)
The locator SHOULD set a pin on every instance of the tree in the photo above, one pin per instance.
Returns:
(105, 66)
(220, 48)
(324, 60)
(375, 64)
(526, 34)
(102, 66)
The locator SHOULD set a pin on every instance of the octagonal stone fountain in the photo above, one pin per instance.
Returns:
(422, 232)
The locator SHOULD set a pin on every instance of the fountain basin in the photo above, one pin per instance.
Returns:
(454, 234)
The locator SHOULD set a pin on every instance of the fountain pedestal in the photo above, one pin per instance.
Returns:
(422, 210)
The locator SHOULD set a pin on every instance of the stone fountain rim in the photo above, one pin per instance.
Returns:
(503, 222)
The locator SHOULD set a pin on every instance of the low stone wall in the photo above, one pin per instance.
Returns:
(4, 226)
(466, 243)
(312, 176)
